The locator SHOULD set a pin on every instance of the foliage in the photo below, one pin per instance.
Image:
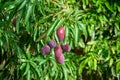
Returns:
(91, 28)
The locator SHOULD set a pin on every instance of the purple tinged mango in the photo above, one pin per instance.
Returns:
(61, 33)
(52, 43)
(66, 47)
(58, 51)
(60, 59)
(45, 50)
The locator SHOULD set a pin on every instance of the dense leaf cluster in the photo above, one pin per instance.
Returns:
(91, 28)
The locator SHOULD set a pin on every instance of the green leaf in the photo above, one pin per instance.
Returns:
(118, 67)
(1, 42)
(28, 55)
(22, 5)
(59, 23)
(42, 62)
(108, 6)
(91, 42)
(44, 19)
(66, 34)
(29, 11)
(81, 43)
(98, 3)
(56, 24)
(28, 75)
(118, 8)
(99, 9)
(84, 5)
(18, 20)
(91, 31)
(113, 71)
(111, 62)
(37, 58)
(41, 7)
(90, 63)
(82, 65)
(70, 69)
(22, 66)
(76, 34)
(35, 67)
(14, 4)
(6, 37)
(27, 69)
(87, 2)
(83, 29)
(28, 26)
(56, 38)
(65, 72)
(35, 33)
(95, 64)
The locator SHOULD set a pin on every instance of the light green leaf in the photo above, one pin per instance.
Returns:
(108, 6)
(52, 27)
(87, 2)
(22, 5)
(95, 64)
(56, 24)
(113, 71)
(56, 38)
(35, 33)
(28, 75)
(65, 72)
(66, 34)
(82, 65)
(28, 54)
(76, 34)
(111, 62)
(59, 23)
(12, 5)
(83, 29)
(81, 43)
(35, 67)
(29, 11)
(118, 67)
(91, 42)
(118, 8)
(27, 69)
(27, 17)
(84, 5)
(22, 66)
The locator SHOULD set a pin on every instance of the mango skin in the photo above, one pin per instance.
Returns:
(60, 59)
(52, 43)
(66, 47)
(58, 51)
(45, 50)
(60, 33)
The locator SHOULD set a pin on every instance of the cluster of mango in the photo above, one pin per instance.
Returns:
(58, 49)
